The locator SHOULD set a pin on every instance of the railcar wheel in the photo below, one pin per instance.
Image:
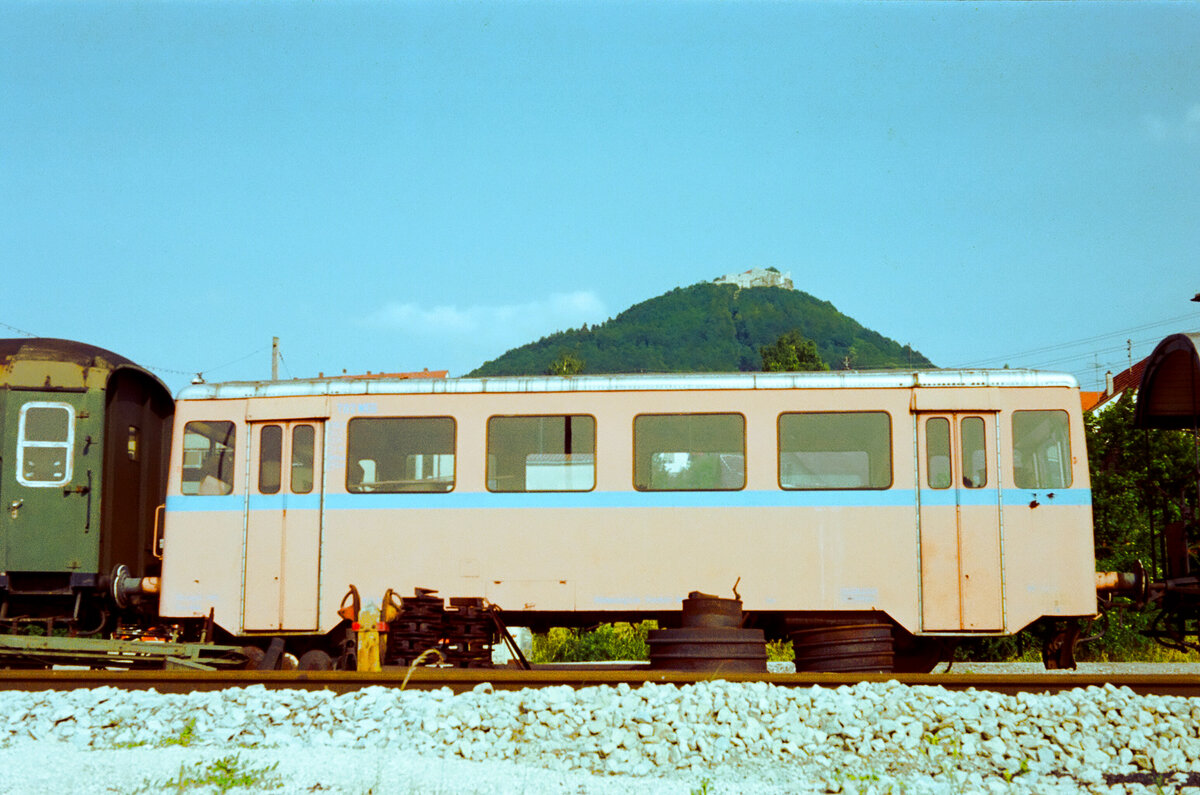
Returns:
(708, 649)
(315, 660)
(711, 639)
(849, 648)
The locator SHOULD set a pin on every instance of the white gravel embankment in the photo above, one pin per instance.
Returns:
(709, 737)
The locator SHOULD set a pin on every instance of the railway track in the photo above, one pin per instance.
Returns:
(462, 680)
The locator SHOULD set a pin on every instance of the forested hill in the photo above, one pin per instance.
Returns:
(709, 328)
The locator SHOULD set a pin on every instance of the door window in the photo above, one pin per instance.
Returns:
(974, 453)
(270, 458)
(45, 443)
(303, 445)
(937, 445)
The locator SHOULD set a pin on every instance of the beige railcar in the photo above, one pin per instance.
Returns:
(955, 503)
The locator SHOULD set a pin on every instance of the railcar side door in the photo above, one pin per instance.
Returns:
(283, 526)
(959, 497)
(50, 465)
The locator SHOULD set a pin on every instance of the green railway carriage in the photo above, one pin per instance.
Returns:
(83, 440)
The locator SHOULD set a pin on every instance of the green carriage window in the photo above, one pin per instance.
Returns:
(45, 444)
(400, 454)
(843, 450)
(208, 452)
(1041, 450)
(555, 453)
(689, 452)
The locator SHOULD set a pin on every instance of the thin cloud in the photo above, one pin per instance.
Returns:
(483, 332)
(1185, 127)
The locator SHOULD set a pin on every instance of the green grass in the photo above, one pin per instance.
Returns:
(185, 737)
(621, 641)
(222, 775)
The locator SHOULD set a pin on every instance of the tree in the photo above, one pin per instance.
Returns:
(567, 363)
(1140, 479)
(791, 353)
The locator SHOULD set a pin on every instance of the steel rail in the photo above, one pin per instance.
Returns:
(460, 680)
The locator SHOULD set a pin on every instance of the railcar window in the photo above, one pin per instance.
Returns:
(835, 450)
(270, 459)
(689, 452)
(46, 443)
(974, 453)
(1041, 450)
(541, 453)
(400, 454)
(303, 446)
(208, 449)
(937, 451)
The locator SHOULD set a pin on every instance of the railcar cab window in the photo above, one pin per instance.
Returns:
(541, 453)
(208, 449)
(1041, 450)
(400, 454)
(826, 450)
(689, 452)
(45, 444)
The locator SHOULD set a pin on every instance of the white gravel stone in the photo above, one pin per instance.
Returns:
(718, 736)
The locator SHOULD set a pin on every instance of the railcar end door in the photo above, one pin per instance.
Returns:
(283, 526)
(959, 496)
(50, 463)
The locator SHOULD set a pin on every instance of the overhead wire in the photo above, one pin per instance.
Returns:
(19, 330)
(1078, 342)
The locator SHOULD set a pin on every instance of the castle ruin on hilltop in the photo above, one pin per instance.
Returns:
(758, 277)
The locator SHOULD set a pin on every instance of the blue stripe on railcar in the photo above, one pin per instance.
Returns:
(460, 500)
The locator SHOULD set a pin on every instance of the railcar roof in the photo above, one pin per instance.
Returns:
(48, 362)
(889, 379)
(1169, 394)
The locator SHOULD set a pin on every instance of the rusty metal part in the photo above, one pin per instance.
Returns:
(417, 627)
(711, 639)
(1116, 581)
(845, 649)
(462, 634)
(708, 649)
(468, 633)
(506, 637)
(703, 610)
(29, 651)
(461, 680)
(1058, 650)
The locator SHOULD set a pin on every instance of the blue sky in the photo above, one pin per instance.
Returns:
(392, 186)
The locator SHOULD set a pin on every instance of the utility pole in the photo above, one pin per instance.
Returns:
(274, 358)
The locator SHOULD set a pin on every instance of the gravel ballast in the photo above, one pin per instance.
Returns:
(707, 737)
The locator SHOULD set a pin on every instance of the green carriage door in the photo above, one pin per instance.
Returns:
(958, 491)
(283, 526)
(51, 464)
